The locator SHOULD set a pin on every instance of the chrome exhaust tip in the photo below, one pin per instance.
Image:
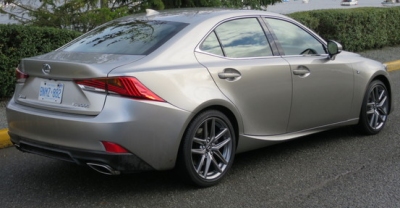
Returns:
(104, 169)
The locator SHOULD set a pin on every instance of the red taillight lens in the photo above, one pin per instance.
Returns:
(125, 86)
(113, 147)
(20, 76)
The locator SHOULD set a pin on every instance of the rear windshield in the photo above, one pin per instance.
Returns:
(137, 37)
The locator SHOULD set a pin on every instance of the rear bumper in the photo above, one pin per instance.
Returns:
(150, 131)
(125, 163)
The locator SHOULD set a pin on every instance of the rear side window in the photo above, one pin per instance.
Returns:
(132, 38)
(211, 45)
(238, 38)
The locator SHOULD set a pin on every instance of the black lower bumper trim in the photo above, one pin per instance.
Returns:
(125, 163)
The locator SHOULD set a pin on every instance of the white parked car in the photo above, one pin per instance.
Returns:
(349, 2)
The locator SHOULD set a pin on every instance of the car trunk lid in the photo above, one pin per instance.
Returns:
(51, 83)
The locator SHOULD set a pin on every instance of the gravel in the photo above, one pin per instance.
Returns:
(383, 55)
(3, 123)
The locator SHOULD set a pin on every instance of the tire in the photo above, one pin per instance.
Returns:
(375, 109)
(208, 148)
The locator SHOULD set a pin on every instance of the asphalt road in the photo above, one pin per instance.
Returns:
(338, 168)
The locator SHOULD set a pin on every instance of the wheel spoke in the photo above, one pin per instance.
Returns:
(375, 94)
(376, 120)
(382, 118)
(370, 108)
(199, 141)
(371, 122)
(207, 168)
(199, 151)
(216, 165)
(198, 169)
(382, 111)
(383, 93)
(221, 144)
(372, 96)
(218, 154)
(205, 130)
(221, 134)
(382, 101)
(212, 133)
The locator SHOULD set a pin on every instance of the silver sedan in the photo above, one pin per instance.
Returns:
(190, 89)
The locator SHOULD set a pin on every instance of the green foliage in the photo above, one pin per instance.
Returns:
(356, 29)
(79, 15)
(84, 15)
(17, 41)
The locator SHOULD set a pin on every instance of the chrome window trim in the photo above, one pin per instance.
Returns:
(312, 55)
(231, 58)
(266, 33)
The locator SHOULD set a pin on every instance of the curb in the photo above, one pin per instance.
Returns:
(393, 65)
(5, 138)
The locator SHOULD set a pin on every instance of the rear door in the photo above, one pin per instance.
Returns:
(242, 64)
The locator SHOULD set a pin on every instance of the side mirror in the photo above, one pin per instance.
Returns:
(334, 48)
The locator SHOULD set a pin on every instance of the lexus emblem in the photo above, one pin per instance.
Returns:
(46, 69)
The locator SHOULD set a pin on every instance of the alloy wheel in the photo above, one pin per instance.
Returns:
(211, 148)
(377, 107)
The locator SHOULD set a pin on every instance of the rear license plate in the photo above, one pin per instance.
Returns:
(51, 91)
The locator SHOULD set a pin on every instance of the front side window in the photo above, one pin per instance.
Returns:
(238, 39)
(137, 37)
(294, 40)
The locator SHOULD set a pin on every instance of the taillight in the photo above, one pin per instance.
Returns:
(113, 147)
(20, 76)
(124, 86)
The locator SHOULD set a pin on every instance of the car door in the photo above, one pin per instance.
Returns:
(322, 88)
(242, 64)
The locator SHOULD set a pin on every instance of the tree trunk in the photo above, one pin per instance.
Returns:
(104, 3)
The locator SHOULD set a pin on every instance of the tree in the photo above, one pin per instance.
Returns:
(84, 15)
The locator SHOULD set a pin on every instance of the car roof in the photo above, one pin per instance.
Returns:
(195, 15)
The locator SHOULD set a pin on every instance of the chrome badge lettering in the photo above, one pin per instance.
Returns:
(81, 105)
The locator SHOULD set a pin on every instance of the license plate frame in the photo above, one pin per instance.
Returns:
(51, 91)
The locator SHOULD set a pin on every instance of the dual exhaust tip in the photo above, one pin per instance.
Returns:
(104, 169)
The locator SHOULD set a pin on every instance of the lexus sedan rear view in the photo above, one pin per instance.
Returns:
(190, 89)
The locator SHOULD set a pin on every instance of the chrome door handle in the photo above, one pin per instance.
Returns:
(230, 74)
(302, 71)
(223, 75)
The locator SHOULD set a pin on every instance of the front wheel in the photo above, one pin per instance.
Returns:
(208, 148)
(375, 109)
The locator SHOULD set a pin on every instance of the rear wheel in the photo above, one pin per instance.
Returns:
(208, 148)
(375, 108)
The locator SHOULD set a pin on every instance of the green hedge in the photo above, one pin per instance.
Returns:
(18, 41)
(357, 29)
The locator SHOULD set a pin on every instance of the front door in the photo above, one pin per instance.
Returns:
(322, 88)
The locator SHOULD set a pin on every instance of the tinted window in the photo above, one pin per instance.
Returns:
(133, 37)
(211, 45)
(243, 38)
(294, 40)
